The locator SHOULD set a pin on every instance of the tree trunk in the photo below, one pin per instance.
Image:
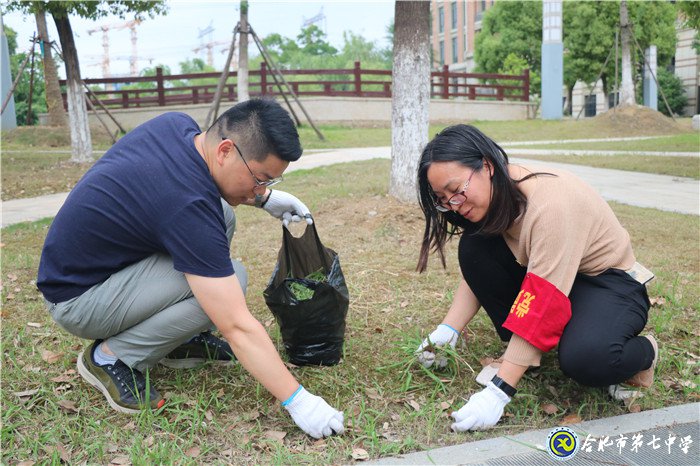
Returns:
(410, 95)
(54, 101)
(627, 96)
(570, 100)
(81, 142)
(243, 55)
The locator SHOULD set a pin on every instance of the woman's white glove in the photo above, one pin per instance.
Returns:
(483, 410)
(287, 208)
(441, 336)
(313, 415)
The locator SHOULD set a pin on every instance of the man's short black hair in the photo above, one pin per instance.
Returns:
(261, 127)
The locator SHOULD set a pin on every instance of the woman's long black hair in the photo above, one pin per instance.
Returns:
(470, 147)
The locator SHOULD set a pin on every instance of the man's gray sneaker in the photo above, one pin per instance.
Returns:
(126, 389)
(203, 347)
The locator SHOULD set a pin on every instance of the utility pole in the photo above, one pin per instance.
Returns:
(552, 60)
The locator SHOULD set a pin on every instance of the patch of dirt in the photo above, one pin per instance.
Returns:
(639, 118)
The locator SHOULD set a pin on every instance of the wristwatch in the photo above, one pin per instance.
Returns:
(504, 386)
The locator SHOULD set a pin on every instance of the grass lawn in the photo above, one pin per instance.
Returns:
(35, 161)
(688, 142)
(392, 405)
(674, 166)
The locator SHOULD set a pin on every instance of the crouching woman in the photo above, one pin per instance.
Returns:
(546, 258)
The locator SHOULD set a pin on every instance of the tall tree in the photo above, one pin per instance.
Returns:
(511, 28)
(690, 12)
(81, 143)
(410, 95)
(313, 41)
(54, 100)
(589, 38)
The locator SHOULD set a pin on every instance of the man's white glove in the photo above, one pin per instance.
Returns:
(287, 208)
(313, 415)
(441, 336)
(483, 410)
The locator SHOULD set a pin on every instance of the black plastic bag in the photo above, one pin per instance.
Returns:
(312, 323)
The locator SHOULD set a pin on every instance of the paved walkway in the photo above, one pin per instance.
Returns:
(529, 448)
(661, 192)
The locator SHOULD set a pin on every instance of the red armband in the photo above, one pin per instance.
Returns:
(540, 313)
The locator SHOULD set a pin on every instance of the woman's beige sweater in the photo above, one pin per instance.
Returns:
(567, 228)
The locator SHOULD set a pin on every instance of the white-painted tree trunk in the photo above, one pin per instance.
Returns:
(410, 96)
(627, 96)
(80, 139)
(81, 142)
(243, 55)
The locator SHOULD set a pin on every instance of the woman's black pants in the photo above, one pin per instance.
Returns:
(600, 345)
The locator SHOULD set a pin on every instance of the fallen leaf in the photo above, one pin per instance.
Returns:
(112, 448)
(445, 405)
(68, 405)
(553, 391)
(571, 419)
(414, 404)
(62, 379)
(252, 415)
(360, 454)
(34, 324)
(208, 414)
(25, 463)
(549, 408)
(378, 330)
(220, 393)
(193, 452)
(657, 300)
(485, 361)
(275, 435)
(120, 460)
(404, 304)
(51, 357)
(61, 450)
(688, 384)
(227, 453)
(150, 441)
(373, 394)
(27, 393)
(634, 408)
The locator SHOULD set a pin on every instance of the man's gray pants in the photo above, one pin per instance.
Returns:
(144, 311)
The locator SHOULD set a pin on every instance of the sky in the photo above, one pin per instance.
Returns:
(171, 38)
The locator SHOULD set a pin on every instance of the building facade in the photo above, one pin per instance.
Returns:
(454, 27)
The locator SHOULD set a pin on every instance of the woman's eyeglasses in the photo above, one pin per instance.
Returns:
(456, 199)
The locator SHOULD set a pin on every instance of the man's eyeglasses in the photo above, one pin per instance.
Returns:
(267, 183)
(456, 199)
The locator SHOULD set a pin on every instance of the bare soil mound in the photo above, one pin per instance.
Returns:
(639, 118)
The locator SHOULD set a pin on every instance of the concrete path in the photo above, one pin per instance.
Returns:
(529, 448)
(661, 192)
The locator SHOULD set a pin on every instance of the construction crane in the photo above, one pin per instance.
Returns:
(320, 18)
(105, 28)
(209, 46)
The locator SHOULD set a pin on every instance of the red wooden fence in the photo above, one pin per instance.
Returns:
(357, 82)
